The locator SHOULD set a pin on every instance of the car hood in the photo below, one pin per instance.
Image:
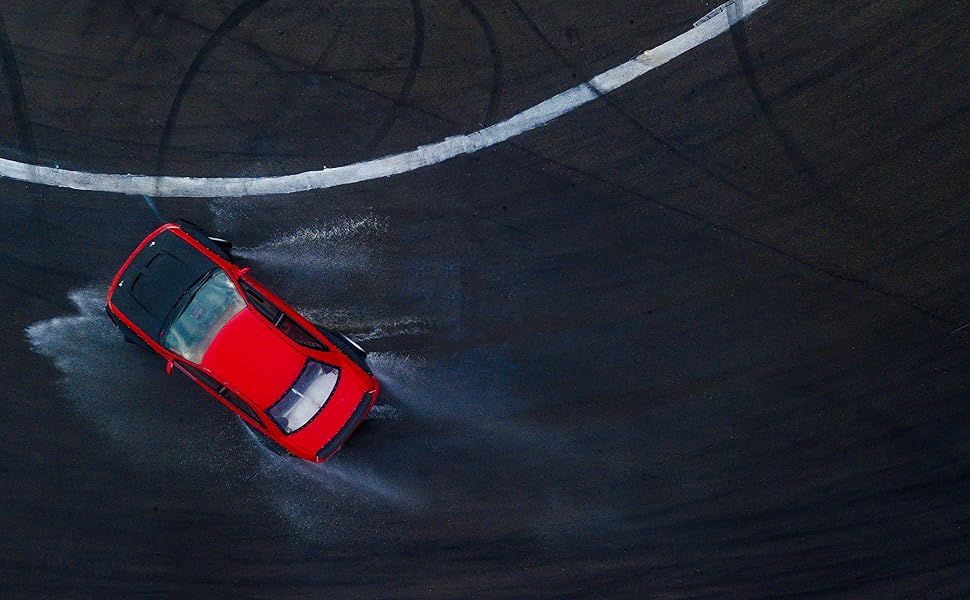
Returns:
(254, 359)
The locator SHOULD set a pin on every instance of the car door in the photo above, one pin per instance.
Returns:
(240, 406)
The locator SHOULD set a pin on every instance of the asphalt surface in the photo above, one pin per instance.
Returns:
(700, 338)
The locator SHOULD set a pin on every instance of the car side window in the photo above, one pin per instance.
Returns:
(220, 389)
(280, 320)
(262, 304)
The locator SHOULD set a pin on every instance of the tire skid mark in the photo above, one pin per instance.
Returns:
(495, 93)
(793, 152)
(143, 29)
(15, 87)
(642, 127)
(741, 235)
(422, 156)
(325, 53)
(240, 14)
(417, 53)
(25, 131)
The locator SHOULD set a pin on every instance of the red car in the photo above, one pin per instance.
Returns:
(301, 388)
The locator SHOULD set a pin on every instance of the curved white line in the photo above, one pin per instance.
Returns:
(710, 26)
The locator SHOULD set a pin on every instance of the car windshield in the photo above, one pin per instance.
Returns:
(304, 400)
(210, 307)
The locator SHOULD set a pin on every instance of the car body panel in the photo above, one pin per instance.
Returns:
(249, 353)
(250, 357)
(257, 423)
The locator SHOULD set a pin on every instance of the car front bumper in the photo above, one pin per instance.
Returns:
(356, 418)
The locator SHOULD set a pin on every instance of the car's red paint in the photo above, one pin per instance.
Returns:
(258, 363)
(255, 358)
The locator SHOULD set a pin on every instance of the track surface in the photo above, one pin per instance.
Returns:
(699, 338)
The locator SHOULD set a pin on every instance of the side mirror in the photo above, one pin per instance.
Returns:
(243, 271)
(168, 367)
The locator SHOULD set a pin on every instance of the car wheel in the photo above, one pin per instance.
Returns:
(341, 340)
(220, 246)
(127, 334)
(224, 245)
(346, 345)
(266, 442)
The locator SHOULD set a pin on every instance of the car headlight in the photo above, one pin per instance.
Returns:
(304, 400)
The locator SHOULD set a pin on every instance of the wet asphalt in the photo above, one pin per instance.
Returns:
(703, 337)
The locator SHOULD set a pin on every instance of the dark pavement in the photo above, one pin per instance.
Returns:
(700, 338)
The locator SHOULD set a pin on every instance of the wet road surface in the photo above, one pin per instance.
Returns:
(703, 337)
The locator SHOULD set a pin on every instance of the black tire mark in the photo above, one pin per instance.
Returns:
(639, 196)
(650, 133)
(25, 131)
(849, 58)
(143, 28)
(417, 52)
(935, 125)
(15, 87)
(237, 16)
(738, 234)
(497, 76)
(273, 58)
(828, 194)
(685, 213)
(325, 53)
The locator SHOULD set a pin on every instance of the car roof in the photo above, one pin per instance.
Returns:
(156, 278)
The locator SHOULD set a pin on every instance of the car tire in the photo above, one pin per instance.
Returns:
(347, 346)
(342, 341)
(224, 245)
(127, 334)
(220, 246)
(266, 442)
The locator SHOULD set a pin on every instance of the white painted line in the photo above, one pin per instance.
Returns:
(712, 25)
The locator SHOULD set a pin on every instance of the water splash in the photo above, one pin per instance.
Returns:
(327, 269)
(341, 229)
(373, 329)
(362, 326)
(332, 263)
(336, 241)
(67, 342)
(117, 387)
(384, 412)
(164, 424)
